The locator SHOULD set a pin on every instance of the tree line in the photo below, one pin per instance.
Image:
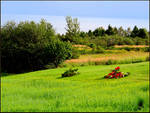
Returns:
(30, 46)
(104, 37)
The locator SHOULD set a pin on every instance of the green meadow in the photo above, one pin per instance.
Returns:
(45, 90)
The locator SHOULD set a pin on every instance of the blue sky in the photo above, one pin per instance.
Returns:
(91, 14)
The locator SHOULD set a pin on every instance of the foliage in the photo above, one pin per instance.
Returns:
(73, 28)
(92, 45)
(110, 30)
(70, 72)
(57, 51)
(99, 49)
(25, 46)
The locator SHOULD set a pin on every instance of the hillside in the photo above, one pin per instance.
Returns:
(46, 91)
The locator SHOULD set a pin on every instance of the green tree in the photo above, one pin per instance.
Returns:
(24, 46)
(110, 30)
(73, 28)
(58, 51)
(143, 33)
(121, 31)
(135, 31)
(90, 33)
(128, 32)
(99, 32)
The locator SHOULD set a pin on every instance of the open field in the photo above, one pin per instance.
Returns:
(134, 46)
(46, 91)
(114, 55)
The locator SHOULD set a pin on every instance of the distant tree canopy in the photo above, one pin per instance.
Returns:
(28, 46)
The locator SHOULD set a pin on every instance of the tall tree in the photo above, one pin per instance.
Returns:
(99, 31)
(73, 28)
(135, 31)
(110, 31)
(143, 33)
(128, 32)
(121, 31)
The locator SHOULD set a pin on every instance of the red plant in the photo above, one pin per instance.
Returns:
(116, 74)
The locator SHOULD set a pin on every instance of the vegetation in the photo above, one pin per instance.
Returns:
(109, 57)
(42, 91)
(30, 46)
(70, 72)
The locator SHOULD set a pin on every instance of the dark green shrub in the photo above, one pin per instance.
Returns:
(4, 74)
(109, 62)
(147, 49)
(70, 72)
(92, 45)
(148, 58)
(127, 48)
(99, 49)
(128, 41)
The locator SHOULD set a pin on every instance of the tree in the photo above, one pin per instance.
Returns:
(135, 31)
(121, 31)
(128, 32)
(25, 46)
(73, 28)
(82, 34)
(115, 30)
(143, 33)
(90, 33)
(58, 51)
(99, 31)
(109, 31)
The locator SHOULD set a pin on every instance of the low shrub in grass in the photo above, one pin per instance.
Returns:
(92, 45)
(99, 49)
(148, 58)
(70, 72)
(4, 74)
(147, 49)
(109, 62)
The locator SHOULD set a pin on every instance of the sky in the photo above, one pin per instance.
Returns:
(90, 14)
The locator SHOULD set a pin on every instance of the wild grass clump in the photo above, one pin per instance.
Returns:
(70, 72)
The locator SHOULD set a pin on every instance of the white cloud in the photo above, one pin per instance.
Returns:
(86, 23)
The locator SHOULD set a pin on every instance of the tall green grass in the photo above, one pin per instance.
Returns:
(42, 91)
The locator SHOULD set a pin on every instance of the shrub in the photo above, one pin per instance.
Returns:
(92, 45)
(99, 49)
(4, 74)
(127, 48)
(70, 72)
(109, 62)
(147, 49)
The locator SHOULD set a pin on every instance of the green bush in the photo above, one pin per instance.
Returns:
(147, 49)
(70, 72)
(4, 74)
(127, 48)
(92, 45)
(99, 49)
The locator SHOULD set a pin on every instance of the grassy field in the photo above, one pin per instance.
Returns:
(117, 56)
(46, 91)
